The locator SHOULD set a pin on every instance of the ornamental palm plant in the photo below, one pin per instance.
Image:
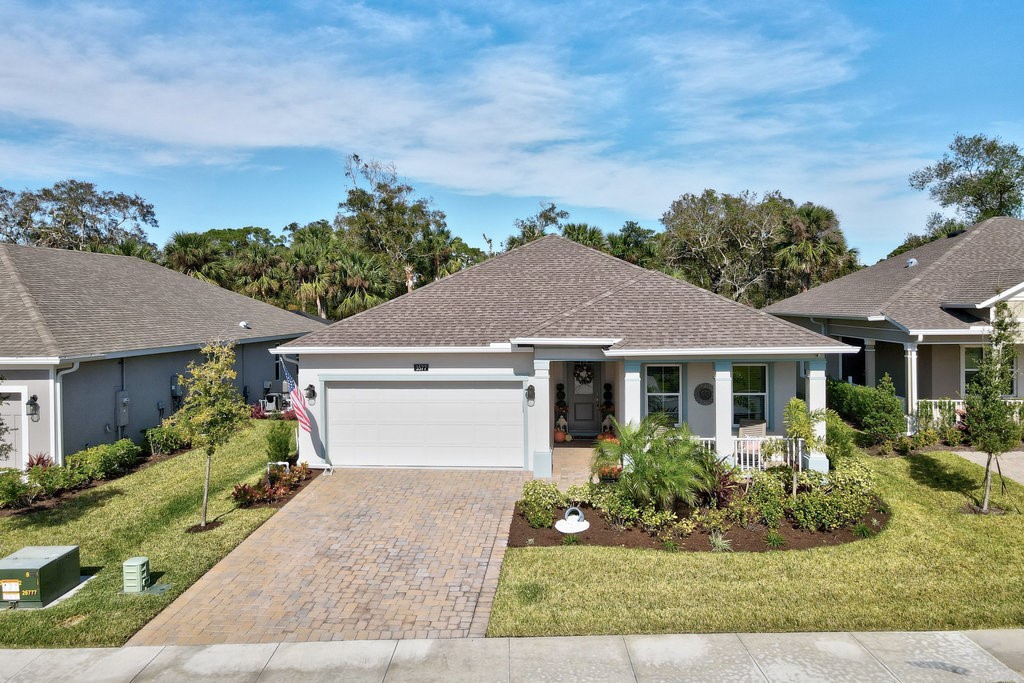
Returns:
(660, 462)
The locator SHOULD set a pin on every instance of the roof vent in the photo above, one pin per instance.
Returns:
(911, 262)
(244, 325)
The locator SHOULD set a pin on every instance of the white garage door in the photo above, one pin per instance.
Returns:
(425, 424)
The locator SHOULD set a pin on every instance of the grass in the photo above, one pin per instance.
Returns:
(145, 513)
(933, 567)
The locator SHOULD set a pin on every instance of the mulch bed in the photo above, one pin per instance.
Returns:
(280, 502)
(751, 539)
(142, 463)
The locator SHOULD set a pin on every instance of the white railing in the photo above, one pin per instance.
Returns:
(931, 409)
(762, 452)
(707, 442)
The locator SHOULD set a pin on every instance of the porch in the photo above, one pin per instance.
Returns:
(712, 397)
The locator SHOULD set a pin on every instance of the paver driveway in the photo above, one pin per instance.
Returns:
(361, 554)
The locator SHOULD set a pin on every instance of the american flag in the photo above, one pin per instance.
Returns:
(298, 401)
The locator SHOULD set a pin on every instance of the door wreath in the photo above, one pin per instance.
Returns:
(583, 374)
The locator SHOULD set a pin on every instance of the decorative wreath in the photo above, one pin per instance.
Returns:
(704, 394)
(583, 374)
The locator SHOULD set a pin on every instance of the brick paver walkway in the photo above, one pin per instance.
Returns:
(362, 554)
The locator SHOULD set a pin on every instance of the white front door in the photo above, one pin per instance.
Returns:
(13, 413)
(426, 424)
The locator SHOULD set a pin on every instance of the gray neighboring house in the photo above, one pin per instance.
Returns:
(91, 344)
(480, 368)
(923, 316)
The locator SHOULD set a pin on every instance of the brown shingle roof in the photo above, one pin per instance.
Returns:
(966, 269)
(553, 287)
(68, 304)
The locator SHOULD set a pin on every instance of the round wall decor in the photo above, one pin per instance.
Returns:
(704, 394)
(583, 374)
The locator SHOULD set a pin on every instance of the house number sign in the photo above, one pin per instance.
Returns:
(420, 367)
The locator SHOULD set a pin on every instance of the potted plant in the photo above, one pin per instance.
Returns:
(609, 474)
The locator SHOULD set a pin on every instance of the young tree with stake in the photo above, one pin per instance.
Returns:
(990, 419)
(213, 410)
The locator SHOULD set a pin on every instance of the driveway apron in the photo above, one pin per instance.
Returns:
(360, 554)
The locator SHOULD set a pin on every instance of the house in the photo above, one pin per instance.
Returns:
(91, 345)
(476, 369)
(922, 316)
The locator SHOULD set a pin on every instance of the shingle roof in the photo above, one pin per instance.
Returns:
(67, 304)
(553, 287)
(969, 268)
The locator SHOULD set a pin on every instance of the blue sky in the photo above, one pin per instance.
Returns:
(241, 113)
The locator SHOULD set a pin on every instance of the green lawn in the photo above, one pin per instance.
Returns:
(145, 513)
(932, 568)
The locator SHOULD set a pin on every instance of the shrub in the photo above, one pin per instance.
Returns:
(247, 495)
(904, 445)
(40, 460)
(720, 483)
(570, 539)
(949, 425)
(279, 441)
(287, 415)
(839, 499)
(682, 528)
(768, 495)
(53, 481)
(258, 412)
(654, 521)
(839, 440)
(712, 520)
(618, 508)
(106, 460)
(875, 410)
(165, 439)
(925, 437)
(580, 494)
(540, 498)
(774, 540)
(15, 492)
(862, 530)
(886, 448)
(670, 545)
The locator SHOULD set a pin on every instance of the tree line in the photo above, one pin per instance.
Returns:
(386, 239)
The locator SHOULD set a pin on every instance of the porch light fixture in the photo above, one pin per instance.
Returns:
(310, 393)
(32, 408)
(531, 396)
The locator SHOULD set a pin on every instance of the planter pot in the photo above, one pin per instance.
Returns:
(609, 480)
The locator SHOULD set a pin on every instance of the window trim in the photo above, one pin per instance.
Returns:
(766, 393)
(984, 349)
(681, 395)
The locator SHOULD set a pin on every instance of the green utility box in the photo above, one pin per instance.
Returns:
(37, 575)
(136, 574)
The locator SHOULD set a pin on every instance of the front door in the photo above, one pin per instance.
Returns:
(584, 398)
(11, 413)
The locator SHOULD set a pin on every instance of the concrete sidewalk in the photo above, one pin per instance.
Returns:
(925, 656)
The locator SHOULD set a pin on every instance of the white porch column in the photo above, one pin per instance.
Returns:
(870, 373)
(724, 444)
(632, 393)
(815, 393)
(910, 356)
(540, 419)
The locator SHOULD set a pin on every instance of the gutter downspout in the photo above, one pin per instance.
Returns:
(58, 410)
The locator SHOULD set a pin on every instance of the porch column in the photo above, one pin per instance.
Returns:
(723, 409)
(815, 392)
(632, 393)
(910, 356)
(870, 374)
(540, 419)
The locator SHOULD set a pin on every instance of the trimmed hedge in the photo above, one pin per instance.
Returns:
(877, 411)
(100, 462)
(165, 439)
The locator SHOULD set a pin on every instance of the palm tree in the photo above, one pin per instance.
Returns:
(197, 255)
(816, 250)
(128, 247)
(258, 270)
(634, 244)
(587, 235)
(365, 282)
(314, 265)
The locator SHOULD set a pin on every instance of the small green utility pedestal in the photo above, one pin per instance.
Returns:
(136, 574)
(37, 575)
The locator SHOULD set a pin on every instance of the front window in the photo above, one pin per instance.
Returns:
(972, 364)
(749, 393)
(663, 388)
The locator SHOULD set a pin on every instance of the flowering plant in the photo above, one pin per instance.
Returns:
(610, 472)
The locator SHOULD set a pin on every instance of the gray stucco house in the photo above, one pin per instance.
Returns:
(481, 368)
(91, 344)
(923, 316)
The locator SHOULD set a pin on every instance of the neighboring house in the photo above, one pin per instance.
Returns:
(91, 344)
(468, 371)
(922, 316)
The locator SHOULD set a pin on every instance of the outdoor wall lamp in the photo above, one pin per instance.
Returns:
(531, 396)
(32, 408)
(311, 395)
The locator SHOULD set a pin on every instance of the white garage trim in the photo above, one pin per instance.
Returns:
(328, 381)
(23, 391)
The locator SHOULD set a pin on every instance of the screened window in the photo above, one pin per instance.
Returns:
(749, 393)
(663, 387)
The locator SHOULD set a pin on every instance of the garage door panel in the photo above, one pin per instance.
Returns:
(441, 424)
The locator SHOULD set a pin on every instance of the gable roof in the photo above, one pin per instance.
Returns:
(555, 288)
(953, 276)
(71, 304)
